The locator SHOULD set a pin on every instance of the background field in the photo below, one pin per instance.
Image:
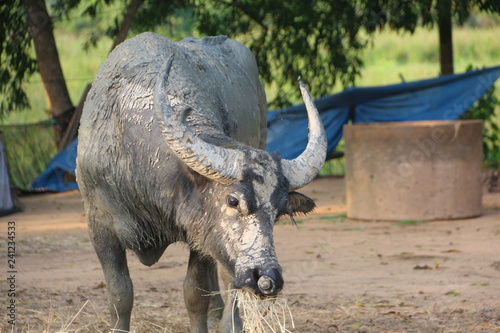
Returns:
(391, 58)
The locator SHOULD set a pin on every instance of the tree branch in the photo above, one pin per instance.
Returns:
(132, 9)
(252, 15)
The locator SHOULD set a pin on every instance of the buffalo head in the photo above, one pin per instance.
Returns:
(242, 190)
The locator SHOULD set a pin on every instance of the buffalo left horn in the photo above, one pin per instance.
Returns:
(301, 170)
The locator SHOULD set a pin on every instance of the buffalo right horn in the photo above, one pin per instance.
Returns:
(220, 164)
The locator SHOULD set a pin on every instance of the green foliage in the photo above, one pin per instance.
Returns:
(105, 16)
(322, 40)
(486, 109)
(333, 167)
(319, 40)
(29, 148)
(17, 63)
(384, 60)
(176, 18)
(408, 15)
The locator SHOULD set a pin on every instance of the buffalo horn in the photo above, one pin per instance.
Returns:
(220, 164)
(301, 170)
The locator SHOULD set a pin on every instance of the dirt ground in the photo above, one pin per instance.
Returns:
(340, 275)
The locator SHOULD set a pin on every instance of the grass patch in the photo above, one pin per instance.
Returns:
(410, 222)
(335, 167)
(28, 148)
(453, 293)
(396, 56)
(353, 229)
(334, 218)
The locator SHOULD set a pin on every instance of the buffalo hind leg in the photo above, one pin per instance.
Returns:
(200, 282)
(118, 284)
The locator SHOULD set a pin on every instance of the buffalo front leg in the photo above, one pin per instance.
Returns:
(231, 320)
(118, 284)
(200, 282)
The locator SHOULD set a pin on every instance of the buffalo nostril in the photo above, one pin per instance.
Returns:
(266, 285)
(264, 282)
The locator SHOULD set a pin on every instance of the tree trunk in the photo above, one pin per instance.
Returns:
(445, 37)
(132, 9)
(59, 102)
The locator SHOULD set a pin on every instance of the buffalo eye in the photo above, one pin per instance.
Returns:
(232, 201)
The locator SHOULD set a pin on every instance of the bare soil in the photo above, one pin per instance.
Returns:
(341, 275)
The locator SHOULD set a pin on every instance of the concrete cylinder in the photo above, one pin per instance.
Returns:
(423, 170)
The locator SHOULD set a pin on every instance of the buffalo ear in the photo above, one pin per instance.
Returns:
(299, 203)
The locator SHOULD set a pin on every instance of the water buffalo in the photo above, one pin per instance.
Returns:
(171, 149)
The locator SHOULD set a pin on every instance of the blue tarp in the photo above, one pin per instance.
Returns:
(52, 179)
(442, 98)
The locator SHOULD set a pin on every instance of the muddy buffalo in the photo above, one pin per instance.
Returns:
(171, 149)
